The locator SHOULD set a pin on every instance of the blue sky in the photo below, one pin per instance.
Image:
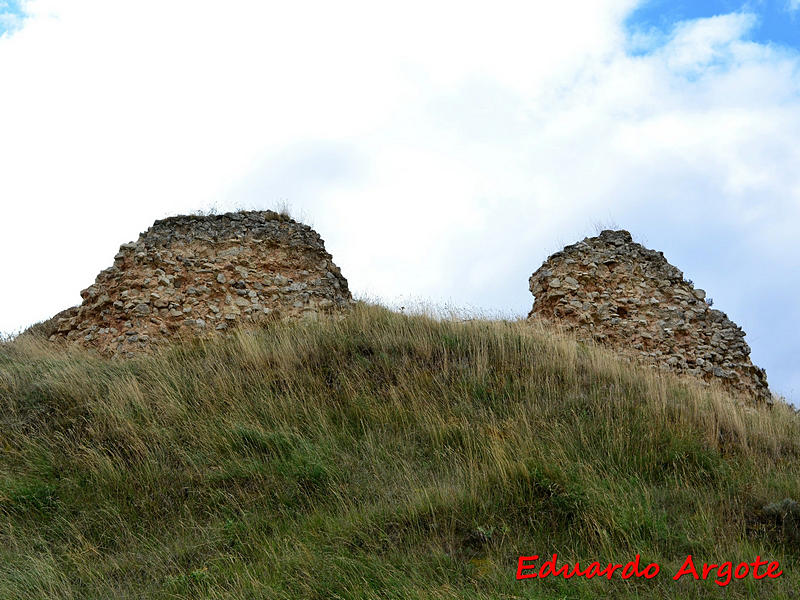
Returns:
(11, 15)
(775, 21)
(439, 172)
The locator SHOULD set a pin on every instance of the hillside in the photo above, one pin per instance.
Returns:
(380, 455)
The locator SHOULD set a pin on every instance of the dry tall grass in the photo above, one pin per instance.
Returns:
(377, 456)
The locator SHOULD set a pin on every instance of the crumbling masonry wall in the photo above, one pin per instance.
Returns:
(617, 292)
(197, 275)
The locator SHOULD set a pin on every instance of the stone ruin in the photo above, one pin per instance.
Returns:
(199, 275)
(617, 292)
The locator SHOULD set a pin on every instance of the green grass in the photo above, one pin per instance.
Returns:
(379, 456)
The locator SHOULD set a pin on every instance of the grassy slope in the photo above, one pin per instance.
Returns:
(381, 456)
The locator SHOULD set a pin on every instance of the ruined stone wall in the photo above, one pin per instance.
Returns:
(617, 292)
(196, 275)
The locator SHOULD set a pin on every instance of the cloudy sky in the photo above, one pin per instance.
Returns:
(442, 149)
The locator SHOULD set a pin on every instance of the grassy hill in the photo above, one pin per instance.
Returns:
(380, 456)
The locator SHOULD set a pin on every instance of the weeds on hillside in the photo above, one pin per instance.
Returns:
(381, 455)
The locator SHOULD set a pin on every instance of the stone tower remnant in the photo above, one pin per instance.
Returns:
(619, 293)
(197, 275)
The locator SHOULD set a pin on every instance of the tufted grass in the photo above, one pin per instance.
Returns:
(378, 456)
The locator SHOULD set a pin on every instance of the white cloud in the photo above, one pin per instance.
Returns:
(441, 149)
(792, 5)
(705, 43)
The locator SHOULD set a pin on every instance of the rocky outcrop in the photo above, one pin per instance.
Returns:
(199, 275)
(617, 292)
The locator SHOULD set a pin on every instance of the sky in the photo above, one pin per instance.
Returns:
(442, 149)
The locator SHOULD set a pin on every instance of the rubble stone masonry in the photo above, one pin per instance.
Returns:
(623, 295)
(198, 275)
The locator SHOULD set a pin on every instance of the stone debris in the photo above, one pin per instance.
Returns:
(623, 295)
(197, 275)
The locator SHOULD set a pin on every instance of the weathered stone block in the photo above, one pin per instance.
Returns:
(182, 269)
(648, 310)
